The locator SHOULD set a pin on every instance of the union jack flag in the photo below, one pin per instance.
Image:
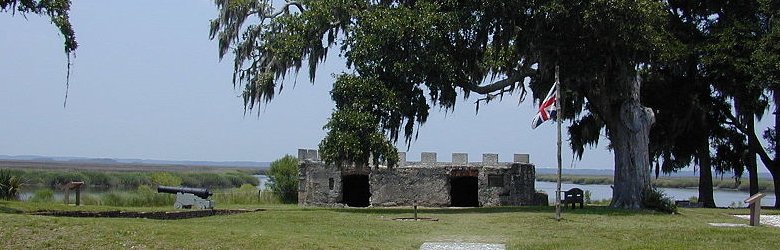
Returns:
(547, 110)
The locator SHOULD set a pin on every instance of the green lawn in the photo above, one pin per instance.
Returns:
(290, 227)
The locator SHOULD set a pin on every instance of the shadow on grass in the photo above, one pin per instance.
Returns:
(596, 210)
(8, 210)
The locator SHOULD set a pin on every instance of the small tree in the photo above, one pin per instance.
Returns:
(284, 179)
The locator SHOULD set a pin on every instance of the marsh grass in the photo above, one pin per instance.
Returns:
(291, 227)
(146, 196)
(132, 180)
(42, 195)
(245, 195)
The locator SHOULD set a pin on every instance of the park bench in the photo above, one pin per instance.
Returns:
(573, 196)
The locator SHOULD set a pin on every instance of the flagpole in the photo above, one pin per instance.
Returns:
(558, 115)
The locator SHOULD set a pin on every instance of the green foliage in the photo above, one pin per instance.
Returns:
(657, 200)
(43, 195)
(586, 196)
(58, 12)
(410, 56)
(10, 185)
(283, 179)
(165, 179)
(354, 132)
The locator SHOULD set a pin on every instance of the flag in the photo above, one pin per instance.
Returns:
(547, 109)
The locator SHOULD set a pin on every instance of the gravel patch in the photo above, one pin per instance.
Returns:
(461, 246)
(727, 225)
(772, 220)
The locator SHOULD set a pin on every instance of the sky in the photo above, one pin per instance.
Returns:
(147, 83)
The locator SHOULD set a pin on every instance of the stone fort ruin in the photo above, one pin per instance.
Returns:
(459, 183)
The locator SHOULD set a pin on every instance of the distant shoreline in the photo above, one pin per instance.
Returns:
(118, 167)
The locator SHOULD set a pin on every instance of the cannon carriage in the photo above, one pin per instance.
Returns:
(187, 197)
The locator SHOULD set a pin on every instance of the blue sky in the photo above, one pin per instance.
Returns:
(147, 83)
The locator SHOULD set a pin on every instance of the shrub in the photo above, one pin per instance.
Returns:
(283, 176)
(43, 195)
(657, 200)
(586, 196)
(10, 185)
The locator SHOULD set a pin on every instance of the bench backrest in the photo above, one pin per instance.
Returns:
(574, 193)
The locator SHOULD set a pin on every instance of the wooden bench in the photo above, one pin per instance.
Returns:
(573, 196)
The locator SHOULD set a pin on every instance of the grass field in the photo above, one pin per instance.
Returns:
(291, 227)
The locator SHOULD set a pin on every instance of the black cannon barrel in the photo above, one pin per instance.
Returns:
(200, 192)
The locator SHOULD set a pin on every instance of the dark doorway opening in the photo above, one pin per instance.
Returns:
(463, 191)
(355, 190)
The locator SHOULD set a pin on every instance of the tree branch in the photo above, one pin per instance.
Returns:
(755, 147)
(286, 9)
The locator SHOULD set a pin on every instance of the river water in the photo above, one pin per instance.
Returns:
(723, 198)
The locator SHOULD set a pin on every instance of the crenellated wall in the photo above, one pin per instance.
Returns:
(425, 183)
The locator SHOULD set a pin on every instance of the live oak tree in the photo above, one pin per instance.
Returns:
(409, 56)
(57, 11)
(688, 112)
(745, 63)
(742, 61)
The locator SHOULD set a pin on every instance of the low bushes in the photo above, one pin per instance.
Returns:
(657, 200)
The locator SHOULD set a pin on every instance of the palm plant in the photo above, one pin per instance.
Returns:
(10, 185)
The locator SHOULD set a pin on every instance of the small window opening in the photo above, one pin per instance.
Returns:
(331, 182)
(495, 180)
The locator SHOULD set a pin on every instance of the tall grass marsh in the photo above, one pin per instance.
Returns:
(132, 180)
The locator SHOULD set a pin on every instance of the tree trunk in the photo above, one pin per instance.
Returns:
(628, 131)
(705, 176)
(776, 183)
(750, 158)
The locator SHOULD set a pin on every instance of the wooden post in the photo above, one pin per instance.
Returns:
(67, 195)
(754, 203)
(78, 196)
(415, 210)
(73, 185)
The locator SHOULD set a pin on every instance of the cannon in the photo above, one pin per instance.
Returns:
(187, 197)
